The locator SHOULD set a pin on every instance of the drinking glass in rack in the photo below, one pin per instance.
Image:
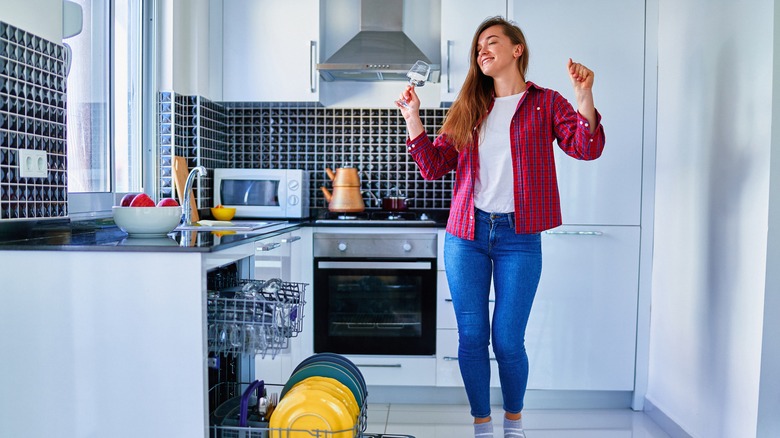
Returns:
(417, 75)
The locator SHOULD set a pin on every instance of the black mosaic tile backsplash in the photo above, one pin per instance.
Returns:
(300, 136)
(32, 116)
(195, 128)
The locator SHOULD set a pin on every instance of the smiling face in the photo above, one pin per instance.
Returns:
(496, 54)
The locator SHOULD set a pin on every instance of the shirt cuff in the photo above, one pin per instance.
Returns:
(585, 124)
(412, 144)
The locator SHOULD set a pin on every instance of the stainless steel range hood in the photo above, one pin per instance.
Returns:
(381, 51)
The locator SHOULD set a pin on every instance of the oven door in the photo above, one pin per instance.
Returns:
(377, 306)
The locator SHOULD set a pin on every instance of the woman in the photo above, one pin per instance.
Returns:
(498, 138)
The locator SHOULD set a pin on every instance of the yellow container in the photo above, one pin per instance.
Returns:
(223, 213)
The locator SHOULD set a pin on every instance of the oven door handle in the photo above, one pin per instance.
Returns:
(375, 265)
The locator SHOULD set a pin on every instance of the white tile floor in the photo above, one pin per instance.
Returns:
(453, 421)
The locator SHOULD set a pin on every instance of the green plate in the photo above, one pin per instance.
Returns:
(338, 360)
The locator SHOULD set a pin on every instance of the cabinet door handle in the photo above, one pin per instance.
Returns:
(378, 365)
(575, 233)
(312, 66)
(455, 358)
(449, 70)
(291, 239)
(269, 246)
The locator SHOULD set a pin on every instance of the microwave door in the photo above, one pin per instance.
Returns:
(250, 193)
(264, 193)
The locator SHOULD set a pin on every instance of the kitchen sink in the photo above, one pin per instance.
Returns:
(207, 225)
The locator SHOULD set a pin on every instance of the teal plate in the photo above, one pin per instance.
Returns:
(338, 360)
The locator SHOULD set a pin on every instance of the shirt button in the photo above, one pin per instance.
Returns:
(580, 122)
(587, 124)
(538, 108)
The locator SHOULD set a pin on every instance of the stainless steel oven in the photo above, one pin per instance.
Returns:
(375, 293)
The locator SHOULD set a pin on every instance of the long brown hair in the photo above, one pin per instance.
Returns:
(476, 94)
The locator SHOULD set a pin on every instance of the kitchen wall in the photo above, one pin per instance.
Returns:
(769, 388)
(195, 128)
(32, 110)
(308, 136)
(710, 271)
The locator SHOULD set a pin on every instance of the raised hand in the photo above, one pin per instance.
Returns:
(582, 81)
(581, 77)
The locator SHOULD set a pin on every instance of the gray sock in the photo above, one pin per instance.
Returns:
(483, 430)
(513, 428)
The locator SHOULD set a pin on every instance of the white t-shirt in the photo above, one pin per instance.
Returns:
(494, 188)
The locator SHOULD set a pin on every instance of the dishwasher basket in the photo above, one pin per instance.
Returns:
(254, 316)
(229, 391)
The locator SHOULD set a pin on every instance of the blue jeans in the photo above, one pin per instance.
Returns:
(514, 261)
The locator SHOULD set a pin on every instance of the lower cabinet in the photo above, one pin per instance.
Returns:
(582, 330)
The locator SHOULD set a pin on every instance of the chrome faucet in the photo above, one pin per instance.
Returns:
(186, 206)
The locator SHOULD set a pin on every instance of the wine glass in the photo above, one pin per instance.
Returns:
(417, 75)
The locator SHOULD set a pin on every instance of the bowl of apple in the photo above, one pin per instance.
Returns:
(139, 216)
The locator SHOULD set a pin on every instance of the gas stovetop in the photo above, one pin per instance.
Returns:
(377, 217)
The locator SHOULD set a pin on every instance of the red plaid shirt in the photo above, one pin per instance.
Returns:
(542, 116)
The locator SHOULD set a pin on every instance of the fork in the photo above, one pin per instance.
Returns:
(273, 400)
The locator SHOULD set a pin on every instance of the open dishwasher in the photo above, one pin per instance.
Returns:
(252, 315)
(249, 318)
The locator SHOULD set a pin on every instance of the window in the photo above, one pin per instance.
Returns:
(105, 101)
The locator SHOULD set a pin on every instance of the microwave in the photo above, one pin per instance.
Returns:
(263, 193)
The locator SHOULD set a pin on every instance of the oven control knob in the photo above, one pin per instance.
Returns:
(342, 246)
(407, 246)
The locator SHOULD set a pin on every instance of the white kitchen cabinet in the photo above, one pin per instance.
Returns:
(459, 21)
(106, 336)
(270, 50)
(582, 331)
(608, 37)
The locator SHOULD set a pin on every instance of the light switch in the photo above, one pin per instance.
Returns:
(33, 164)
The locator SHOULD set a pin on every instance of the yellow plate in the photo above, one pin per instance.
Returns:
(305, 411)
(335, 388)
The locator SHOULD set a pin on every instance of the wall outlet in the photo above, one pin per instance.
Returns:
(33, 164)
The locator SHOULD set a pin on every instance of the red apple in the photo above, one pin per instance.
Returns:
(167, 202)
(142, 200)
(127, 199)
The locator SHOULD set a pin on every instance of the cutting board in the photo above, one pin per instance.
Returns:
(180, 172)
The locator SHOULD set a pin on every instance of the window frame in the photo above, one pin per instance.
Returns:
(88, 205)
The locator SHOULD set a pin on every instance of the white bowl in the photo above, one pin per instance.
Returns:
(147, 221)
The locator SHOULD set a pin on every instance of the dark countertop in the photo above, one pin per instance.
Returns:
(103, 235)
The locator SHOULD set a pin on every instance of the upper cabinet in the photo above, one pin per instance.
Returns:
(459, 21)
(270, 50)
(608, 37)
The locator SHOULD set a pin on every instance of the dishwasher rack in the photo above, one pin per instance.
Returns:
(227, 390)
(254, 316)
